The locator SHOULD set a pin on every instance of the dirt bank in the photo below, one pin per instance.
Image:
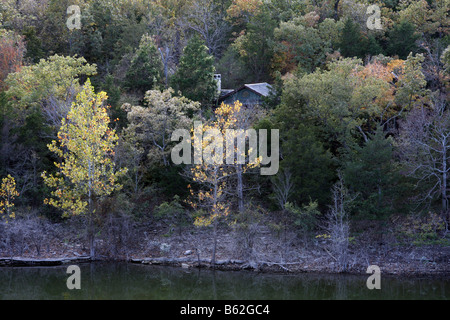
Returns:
(260, 249)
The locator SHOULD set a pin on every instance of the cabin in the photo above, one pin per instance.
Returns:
(248, 94)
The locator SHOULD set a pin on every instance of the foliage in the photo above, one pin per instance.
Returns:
(86, 146)
(212, 176)
(354, 43)
(402, 40)
(372, 104)
(371, 173)
(304, 42)
(8, 193)
(54, 79)
(146, 67)
(254, 46)
(422, 230)
(154, 123)
(12, 50)
(306, 217)
(194, 77)
(173, 211)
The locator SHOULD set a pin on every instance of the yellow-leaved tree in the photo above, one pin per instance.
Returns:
(86, 173)
(7, 194)
(214, 178)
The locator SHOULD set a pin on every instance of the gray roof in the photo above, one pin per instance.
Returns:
(262, 88)
(224, 92)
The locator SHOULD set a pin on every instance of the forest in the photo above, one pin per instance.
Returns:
(91, 92)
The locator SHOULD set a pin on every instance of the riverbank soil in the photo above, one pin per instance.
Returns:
(259, 246)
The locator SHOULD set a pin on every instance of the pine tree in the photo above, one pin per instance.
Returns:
(146, 67)
(351, 40)
(195, 74)
(402, 40)
(371, 174)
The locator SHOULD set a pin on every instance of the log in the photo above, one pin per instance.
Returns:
(179, 261)
(28, 262)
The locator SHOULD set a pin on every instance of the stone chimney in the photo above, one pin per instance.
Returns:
(218, 79)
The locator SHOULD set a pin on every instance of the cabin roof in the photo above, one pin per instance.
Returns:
(261, 89)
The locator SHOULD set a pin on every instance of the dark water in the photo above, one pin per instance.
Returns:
(132, 281)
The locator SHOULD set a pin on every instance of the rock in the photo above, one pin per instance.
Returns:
(165, 247)
(187, 252)
(185, 266)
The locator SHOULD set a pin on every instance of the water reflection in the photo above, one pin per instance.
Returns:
(131, 281)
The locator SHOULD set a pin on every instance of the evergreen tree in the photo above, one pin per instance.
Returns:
(304, 153)
(370, 173)
(310, 163)
(34, 45)
(146, 66)
(195, 74)
(351, 40)
(402, 40)
(371, 46)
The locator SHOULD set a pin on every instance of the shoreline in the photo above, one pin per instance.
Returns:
(264, 251)
(291, 268)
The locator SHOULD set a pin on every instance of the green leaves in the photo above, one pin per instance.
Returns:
(154, 124)
(56, 77)
(195, 74)
(146, 67)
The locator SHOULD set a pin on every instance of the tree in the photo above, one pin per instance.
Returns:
(370, 172)
(337, 224)
(212, 175)
(86, 173)
(424, 142)
(351, 39)
(12, 50)
(205, 18)
(242, 10)
(146, 67)
(34, 45)
(7, 194)
(254, 45)
(153, 124)
(50, 86)
(303, 42)
(401, 40)
(445, 59)
(194, 77)
(411, 84)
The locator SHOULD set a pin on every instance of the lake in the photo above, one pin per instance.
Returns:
(137, 282)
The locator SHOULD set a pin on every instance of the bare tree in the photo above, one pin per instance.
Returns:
(56, 109)
(282, 186)
(337, 224)
(424, 142)
(206, 19)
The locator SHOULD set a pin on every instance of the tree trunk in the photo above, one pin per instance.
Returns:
(240, 188)
(336, 8)
(91, 235)
(444, 178)
(213, 259)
